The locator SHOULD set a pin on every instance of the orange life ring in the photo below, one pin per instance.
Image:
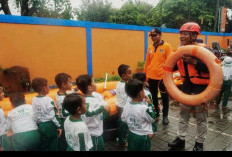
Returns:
(215, 72)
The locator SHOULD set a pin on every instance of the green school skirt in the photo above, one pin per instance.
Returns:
(26, 141)
(138, 143)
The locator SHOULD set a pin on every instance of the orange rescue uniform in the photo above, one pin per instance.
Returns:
(155, 60)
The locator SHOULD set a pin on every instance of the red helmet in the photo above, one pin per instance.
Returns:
(190, 27)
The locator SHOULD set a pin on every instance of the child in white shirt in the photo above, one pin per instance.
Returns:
(122, 98)
(94, 115)
(77, 133)
(64, 83)
(22, 123)
(139, 117)
(46, 113)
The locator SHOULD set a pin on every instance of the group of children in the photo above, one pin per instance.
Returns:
(76, 124)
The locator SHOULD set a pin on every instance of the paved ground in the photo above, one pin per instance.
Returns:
(219, 137)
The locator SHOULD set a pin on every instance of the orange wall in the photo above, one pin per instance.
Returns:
(110, 48)
(219, 39)
(45, 50)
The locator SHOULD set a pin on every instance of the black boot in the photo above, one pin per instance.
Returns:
(198, 147)
(165, 120)
(177, 143)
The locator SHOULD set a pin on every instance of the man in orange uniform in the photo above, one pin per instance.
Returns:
(195, 76)
(156, 56)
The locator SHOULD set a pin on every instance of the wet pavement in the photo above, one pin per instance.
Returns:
(219, 137)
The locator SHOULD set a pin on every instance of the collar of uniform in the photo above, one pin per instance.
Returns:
(156, 46)
(62, 94)
(40, 96)
(135, 103)
(160, 43)
(75, 120)
(91, 96)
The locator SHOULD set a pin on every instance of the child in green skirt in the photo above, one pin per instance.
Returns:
(139, 117)
(22, 124)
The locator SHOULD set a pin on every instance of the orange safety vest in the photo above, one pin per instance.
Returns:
(195, 78)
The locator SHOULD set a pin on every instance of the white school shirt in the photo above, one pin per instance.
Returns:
(121, 97)
(3, 122)
(94, 122)
(21, 119)
(227, 68)
(77, 134)
(45, 110)
(139, 118)
(148, 94)
(59, 102)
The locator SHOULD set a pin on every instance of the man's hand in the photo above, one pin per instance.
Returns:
(189, 59)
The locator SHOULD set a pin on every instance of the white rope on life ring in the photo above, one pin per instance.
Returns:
(215, 72)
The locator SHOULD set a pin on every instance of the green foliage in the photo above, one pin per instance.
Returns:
(2, 69)
(173, 13)
(94, 10)
(109, 78)
(134, 13)
(141, 65)
(44, 8)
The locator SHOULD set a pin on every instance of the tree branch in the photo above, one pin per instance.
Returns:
(5, 7)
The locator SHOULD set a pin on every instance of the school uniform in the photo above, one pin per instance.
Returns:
(22, 122)
(94, 120)
(121, 100)
(48, 121)
(62, 114)
(77, 135)
(139, 118)
(4, 140)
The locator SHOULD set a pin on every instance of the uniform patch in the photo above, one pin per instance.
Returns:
(150, 51)
(161, 50)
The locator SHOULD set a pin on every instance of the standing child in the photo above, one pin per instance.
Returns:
(46, 113)
(95, 106)
(4, 141)
(21, 122)
(77, 133)
(141, 76)
(227, 78)
(122, 98)
(64, 83)
(139, 117)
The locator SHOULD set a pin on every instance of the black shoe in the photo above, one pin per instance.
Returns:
(198, 147)
(177, 143)
(165, 120)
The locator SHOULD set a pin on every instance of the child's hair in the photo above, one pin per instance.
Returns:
(0, 84)
(72, 102)
(141, 76)
(61, 78)
(122, 69)
(17, 99)
(133, 87)
(83, 81)
(38, 83)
